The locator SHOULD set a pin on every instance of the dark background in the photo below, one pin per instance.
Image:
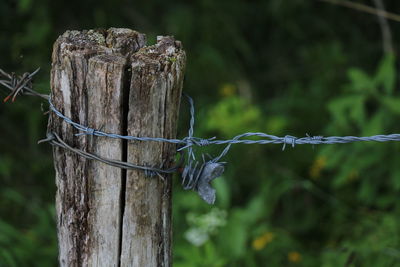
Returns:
(282, 67)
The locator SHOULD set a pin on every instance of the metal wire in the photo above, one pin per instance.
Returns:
(191, 141)
(195, 175)
(55, 140)
(20, 85)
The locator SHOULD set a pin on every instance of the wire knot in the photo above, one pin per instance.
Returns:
(49, 137)
(198, 177)
(203, 142)
(150, 173)
(314, 139)
(90, 131)
(86, 131)
(290, 140)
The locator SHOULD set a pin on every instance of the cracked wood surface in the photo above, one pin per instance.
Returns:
(109, 80)
(155, 90)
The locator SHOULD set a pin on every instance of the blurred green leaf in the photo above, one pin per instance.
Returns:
(24, 5)
(234, 115)
(348, 107)
(392, 103)
(386, 74)
(360, 81)
(223, 193)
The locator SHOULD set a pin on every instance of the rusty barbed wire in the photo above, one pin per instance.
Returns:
(19, 85)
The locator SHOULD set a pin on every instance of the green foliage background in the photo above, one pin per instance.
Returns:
(282, 67)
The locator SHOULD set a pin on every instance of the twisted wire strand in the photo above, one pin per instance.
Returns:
(191, 128)
(20, 85)
(55, 140)
(90, 131)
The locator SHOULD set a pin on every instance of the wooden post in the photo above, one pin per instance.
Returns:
(109, 80)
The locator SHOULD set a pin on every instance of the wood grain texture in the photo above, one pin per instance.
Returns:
(109, 80)
(154, 98)
(87, 80)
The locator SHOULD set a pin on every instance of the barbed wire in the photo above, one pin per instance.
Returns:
(55, 139)
(190, 141)
(195, 175)
(20, 85)
(23, 85)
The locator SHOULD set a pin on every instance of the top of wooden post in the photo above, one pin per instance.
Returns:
(115, 41)
(111, 41)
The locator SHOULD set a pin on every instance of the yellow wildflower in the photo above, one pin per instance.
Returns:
(294, 256)
(227, 89)
(263, 240)
(317, 166)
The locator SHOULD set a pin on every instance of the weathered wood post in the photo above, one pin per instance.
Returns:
(110, 80)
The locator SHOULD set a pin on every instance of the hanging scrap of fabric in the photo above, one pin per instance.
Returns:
(196, 174)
